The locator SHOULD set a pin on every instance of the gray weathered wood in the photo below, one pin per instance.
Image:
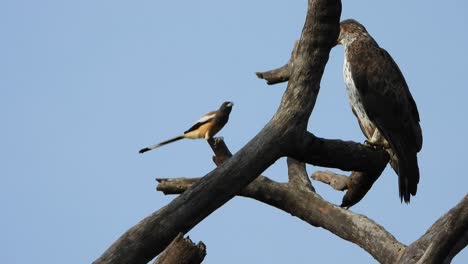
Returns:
(148, 238)
(446, 238)
(298, 198)
(443, 240)
(182, 251)
(314, 210)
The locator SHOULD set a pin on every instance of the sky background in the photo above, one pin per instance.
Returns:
(86, 84)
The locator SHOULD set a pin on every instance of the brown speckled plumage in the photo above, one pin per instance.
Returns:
(381, 100)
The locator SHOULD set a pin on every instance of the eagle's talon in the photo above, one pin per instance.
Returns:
(369, 144)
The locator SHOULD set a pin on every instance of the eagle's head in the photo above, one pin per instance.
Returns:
(351, 30)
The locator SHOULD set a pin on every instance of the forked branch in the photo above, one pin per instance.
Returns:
(182, 251)
(282, 73)
(447, 237)
(284, 135)
(148, 238)
(298, 198)
(443, 240)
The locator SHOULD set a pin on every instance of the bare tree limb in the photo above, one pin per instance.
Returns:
(281, 74)
(297, 175)
(173, 186)
(343, 154)
(309, 207)
(336, 181)
(286, 135)
(358, 185)
(221, 151)
(350, 156)
(444, 239)
(458, 247)
(335, 153)
(275, 76)
(148, 238)
(182, 251)
(299, 199)
(447, 237)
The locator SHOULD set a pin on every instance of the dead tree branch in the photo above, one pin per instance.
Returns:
(182, 251)
(297, 175)
(357, 184)
(443, 240)
(282, 73)
(360, 181)
(275, 76)
(286, 135)
(336, 181)
(312, 209)
(148, 238)
(449, 233)
(298, 198)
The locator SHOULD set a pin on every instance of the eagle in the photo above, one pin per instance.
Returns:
(381, 101)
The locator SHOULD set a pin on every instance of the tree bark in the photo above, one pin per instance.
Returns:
(447, 237)
(275, 76)
(182, 251)
(298, 198)
(285, 135)
(148, 238)
(443, 240)
(281, 74)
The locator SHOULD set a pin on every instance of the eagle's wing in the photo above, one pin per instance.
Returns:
(386, 97)
(406, 101)
(390, 106)
(203, 120)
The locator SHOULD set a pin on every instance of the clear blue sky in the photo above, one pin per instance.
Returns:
(88, 83)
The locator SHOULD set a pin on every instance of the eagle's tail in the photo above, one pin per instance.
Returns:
(408, 172)
(143, 150)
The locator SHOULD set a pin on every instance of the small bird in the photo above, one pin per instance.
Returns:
(382, 103)
(205, 127)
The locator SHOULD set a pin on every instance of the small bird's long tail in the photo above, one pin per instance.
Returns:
(160, 144)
